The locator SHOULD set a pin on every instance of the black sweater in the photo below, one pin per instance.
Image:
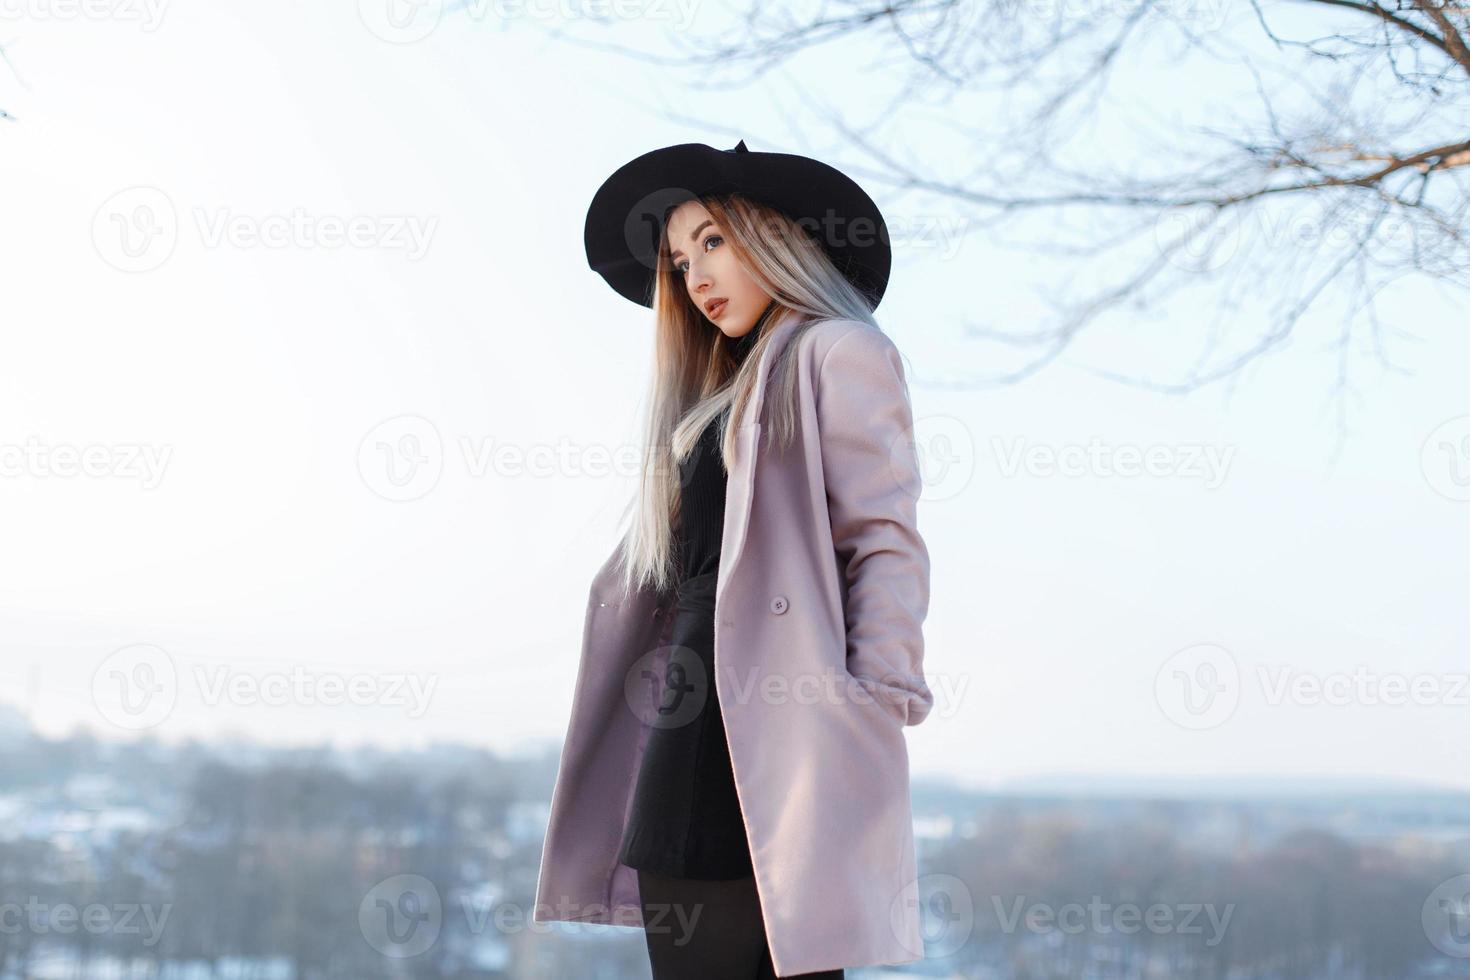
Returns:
(685, 819)
(702, 480)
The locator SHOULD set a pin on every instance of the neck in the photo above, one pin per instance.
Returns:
(744, 344)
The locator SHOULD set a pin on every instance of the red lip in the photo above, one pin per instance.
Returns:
(714, 306)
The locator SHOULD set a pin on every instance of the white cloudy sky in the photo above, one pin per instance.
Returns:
(253, 536)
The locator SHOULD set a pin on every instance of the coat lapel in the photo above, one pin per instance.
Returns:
(742, 477)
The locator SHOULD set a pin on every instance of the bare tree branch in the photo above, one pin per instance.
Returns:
(1344, 170)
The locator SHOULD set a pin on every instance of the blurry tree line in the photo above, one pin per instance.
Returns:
(266, 857)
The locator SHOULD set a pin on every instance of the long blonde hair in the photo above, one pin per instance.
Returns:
(696, 376)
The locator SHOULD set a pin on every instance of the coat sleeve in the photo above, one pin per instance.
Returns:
(870, 468)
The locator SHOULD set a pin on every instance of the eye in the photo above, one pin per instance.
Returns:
(680, 267)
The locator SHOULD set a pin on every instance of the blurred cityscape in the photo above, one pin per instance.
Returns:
(238, 861)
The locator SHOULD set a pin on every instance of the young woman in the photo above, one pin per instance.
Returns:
(735, 776)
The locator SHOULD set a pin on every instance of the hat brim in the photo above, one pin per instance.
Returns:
(625, 218)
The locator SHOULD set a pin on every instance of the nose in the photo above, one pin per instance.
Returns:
(698, 279)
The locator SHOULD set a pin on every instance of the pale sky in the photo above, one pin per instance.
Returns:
(231, 391)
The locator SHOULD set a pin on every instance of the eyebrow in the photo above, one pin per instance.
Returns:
(693, 235)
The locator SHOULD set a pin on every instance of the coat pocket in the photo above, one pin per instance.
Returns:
(871, 695)
(900, 703)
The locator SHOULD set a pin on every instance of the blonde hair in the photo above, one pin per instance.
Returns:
(696, 377)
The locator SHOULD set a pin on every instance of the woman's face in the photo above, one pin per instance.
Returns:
(703, 258)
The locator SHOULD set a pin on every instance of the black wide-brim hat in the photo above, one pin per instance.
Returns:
(627, 213)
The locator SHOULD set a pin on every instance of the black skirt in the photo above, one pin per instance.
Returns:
(685, 817)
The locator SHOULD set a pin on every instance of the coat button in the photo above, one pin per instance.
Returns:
(779, 605)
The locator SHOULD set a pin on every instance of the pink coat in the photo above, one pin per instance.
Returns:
(823, 578)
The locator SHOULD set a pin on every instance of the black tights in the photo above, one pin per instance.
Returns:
(707, 930)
